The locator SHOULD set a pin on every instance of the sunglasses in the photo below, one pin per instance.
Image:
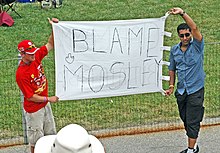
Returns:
(30, 47)
(182, 35)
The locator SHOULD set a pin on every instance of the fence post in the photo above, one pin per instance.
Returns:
(24, 124)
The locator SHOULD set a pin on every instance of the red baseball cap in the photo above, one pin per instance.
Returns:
(27, 46)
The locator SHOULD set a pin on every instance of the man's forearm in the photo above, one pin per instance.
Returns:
(172, 78)
(189, 21)
(38, 99)
(50, 44)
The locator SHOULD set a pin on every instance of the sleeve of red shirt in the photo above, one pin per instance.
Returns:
(41, 53)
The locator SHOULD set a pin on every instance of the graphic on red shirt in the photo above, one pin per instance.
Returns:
(39, 82)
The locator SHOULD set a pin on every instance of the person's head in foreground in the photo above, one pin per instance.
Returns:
(70, 139)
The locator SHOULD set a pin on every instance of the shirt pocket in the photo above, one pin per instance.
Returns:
(190, 59)
(178, 59)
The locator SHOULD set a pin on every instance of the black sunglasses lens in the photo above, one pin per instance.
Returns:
(182, 35)
(187, 34)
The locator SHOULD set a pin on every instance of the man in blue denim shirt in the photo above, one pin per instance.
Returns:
(186, 60)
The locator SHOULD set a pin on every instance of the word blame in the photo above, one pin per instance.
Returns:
(116, 41)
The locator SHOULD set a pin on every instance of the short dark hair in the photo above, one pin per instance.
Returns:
(183, 26)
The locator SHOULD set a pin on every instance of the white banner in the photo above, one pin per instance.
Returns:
(108, 58)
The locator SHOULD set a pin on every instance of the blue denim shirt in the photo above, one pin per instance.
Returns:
(189, 66)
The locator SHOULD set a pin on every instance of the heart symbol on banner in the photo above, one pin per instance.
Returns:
(69, 59)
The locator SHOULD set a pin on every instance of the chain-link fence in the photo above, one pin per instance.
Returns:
(105, 116)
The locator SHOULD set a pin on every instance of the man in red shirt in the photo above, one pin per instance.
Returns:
(32, 81)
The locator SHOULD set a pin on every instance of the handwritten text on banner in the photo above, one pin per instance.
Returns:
(108, 58)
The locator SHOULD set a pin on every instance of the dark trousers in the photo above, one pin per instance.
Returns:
(191, 111)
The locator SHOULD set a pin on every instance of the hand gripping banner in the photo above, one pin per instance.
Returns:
(109, 58)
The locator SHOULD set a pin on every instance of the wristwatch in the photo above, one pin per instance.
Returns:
(183, 13)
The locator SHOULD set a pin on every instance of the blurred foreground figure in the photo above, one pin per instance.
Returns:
(70, 139)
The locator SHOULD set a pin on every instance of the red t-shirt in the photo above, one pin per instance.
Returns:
(31, 80)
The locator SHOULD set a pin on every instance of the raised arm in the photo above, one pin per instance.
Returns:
(50, 43)
(189, 21)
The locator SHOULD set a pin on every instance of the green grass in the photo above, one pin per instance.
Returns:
(113, 112)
